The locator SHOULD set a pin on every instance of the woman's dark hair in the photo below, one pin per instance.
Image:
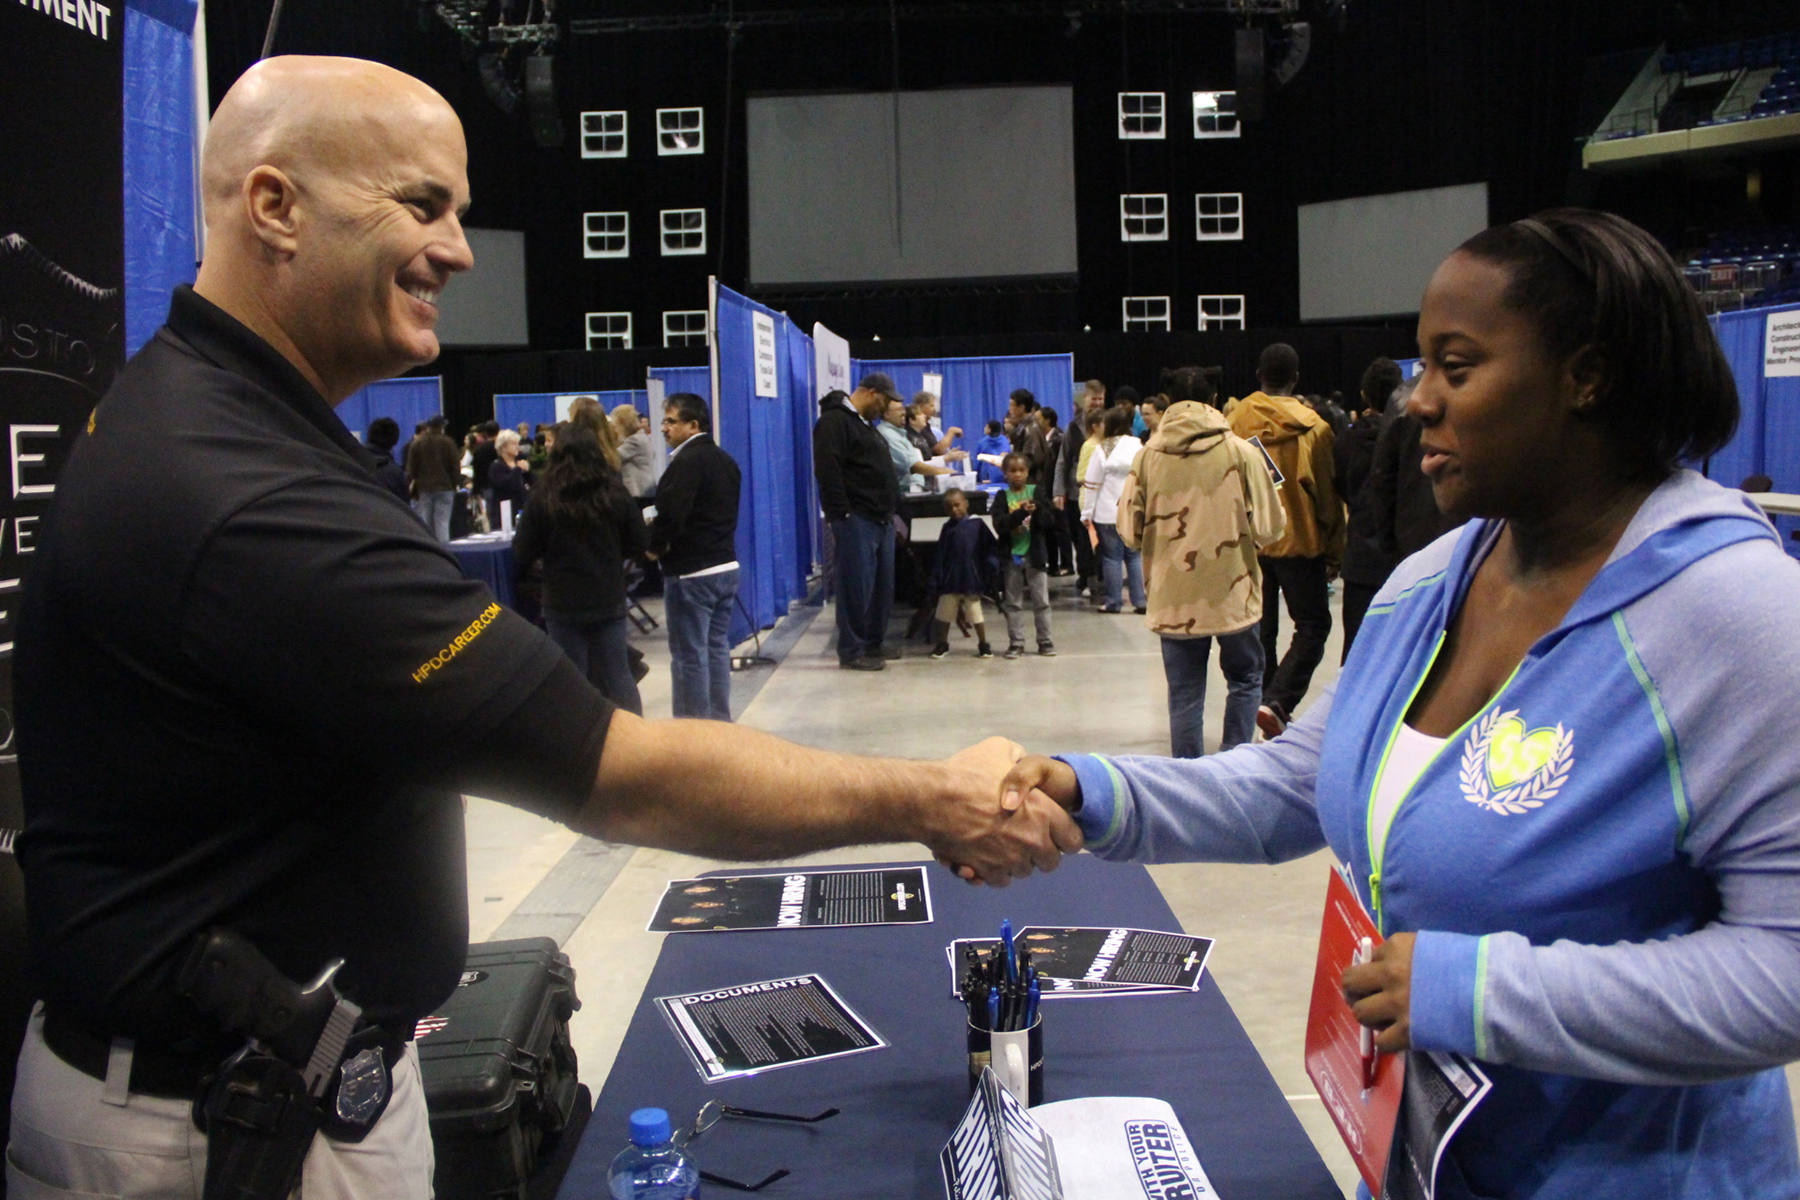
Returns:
(384, 434)
(1189, 383)
(1049, 415)
(1590, 278)
(1123, 395)
(578, 480)
(1118, 422)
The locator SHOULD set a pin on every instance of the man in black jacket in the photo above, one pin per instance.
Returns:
(1366, 565)
(695, 539)
(858, 492)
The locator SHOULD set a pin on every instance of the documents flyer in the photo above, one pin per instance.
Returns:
(1395, 1113)
(795, 900)
(1098, 961)
(735, 1031)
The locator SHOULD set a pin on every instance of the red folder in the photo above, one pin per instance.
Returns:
(1334, 1059)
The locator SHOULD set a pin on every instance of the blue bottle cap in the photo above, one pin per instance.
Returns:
(649, 1127)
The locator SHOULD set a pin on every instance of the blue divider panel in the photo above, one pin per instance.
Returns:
(763, 434)
(159, 161)
(408, 401)
(539, 408)
(1741, 338)
(697, 380)
(1768, 437)
(976, 389)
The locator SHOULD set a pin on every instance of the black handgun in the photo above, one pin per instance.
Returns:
(262, 1109)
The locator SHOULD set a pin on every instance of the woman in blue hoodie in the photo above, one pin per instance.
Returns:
(1561, 763)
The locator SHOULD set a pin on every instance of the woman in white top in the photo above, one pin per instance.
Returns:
(637, 457)
(1107, 469)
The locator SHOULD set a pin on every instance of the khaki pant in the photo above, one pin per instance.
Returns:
(74, 1138)
(950, 603)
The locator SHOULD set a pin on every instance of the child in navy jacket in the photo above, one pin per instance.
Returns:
(967, 554)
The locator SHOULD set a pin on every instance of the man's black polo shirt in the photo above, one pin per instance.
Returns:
(250, 685)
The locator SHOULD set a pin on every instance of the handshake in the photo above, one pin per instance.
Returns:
(1007, 814)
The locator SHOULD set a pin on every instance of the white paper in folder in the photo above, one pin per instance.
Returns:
(1122, 1148)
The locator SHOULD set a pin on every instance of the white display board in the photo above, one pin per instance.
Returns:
(831, 360)
(762, 337)
(1781, 345)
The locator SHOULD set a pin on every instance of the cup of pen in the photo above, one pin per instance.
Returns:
(1017, 1057)
(1006, 1031)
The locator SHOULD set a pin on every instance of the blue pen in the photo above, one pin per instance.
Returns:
(1031, 1004)
(993, 1010)
(1006, 945)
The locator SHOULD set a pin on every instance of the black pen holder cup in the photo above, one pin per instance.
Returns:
(1017, 1058)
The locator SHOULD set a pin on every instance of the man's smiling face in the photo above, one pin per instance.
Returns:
(386, 226)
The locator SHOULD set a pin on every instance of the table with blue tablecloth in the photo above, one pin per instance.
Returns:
(899, 1104)
(489, 558)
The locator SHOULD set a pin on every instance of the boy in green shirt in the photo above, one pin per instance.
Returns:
(1024, 540)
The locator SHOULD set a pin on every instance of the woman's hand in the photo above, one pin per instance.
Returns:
(1093, 535)
(1379, 991)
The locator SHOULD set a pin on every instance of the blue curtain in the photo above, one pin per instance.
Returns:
(408, 401)
(159, 161)
(1741, 338)
(697, 380)
(774, 513)
(539, 408)
(801, 386)
(1768, 437)
(976, 390)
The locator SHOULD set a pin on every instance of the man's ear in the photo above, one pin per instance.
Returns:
(269, 199)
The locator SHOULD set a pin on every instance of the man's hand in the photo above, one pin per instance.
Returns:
(1380, 993)
(983, 840)
(1058, 501)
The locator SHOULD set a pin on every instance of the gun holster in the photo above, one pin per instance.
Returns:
(259, 1119)
(305, 1065)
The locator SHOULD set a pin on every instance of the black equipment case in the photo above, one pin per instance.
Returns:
(498, 1068)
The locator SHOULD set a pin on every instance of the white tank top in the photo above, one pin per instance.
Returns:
(1407, 759)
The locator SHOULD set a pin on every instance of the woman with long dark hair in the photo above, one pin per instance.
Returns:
(583, 525)
(1560, 765)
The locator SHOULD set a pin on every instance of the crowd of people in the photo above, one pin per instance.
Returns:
(597, 516)
(1149, 503)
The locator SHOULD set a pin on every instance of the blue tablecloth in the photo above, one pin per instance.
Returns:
(489, 561)
(901, 1103)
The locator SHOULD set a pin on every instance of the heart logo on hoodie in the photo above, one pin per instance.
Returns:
(1510, 771)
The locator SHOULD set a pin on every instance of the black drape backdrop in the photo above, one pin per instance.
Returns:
(62, 338)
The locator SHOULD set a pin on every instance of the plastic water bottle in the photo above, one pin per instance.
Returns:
(652, 1168)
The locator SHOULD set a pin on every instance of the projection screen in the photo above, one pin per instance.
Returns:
(1373, 255)
(485, 306)
(978, 183)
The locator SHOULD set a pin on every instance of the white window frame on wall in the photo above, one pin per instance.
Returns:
(683, 233)
(1229, 313)
(614, 333)
(1148, 321)
(598, 229)
(1213, 118)
(1229, 216)
(685, 332)
(598, 130)
(1149, 124)
(672, 130)
(1152, 216)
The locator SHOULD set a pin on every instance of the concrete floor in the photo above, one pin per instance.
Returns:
(1103, 692)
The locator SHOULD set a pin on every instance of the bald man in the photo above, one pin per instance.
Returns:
(251, 685)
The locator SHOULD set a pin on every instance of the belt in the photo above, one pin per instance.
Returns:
(153, 1072)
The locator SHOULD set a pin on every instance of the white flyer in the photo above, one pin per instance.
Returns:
(1122, 1148)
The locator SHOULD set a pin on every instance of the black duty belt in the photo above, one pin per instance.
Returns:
(153, 1072)
(156, 1072)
